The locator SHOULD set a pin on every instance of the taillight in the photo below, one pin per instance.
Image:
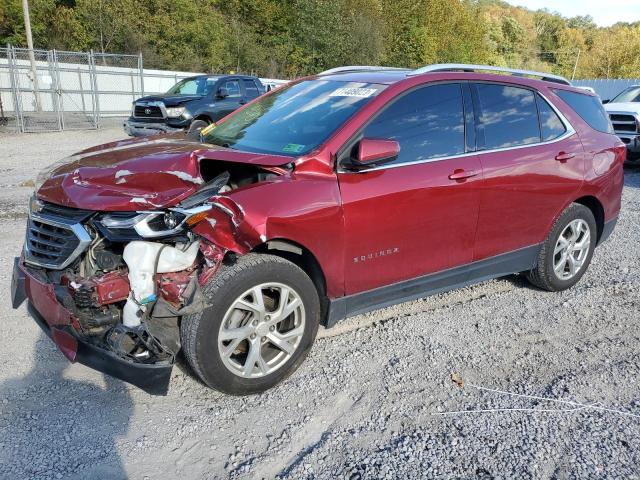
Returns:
(621, 153)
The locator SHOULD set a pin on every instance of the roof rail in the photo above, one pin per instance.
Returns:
(358, 68)
(448, 67)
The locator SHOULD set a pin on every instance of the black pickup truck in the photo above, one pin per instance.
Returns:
(192, 103)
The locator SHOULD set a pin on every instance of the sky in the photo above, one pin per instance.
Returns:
(604, 12)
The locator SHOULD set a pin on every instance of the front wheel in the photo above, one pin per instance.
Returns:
(197, 125)
(566, 253)
(262, 320)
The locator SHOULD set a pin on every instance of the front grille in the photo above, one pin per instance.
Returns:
(148, 111)
(67, 213)
(55, 237)
(624, 123)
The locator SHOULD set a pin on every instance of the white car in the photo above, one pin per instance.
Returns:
(624, 112)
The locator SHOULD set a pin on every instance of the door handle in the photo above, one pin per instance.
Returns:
(564, 156)
(460, 174)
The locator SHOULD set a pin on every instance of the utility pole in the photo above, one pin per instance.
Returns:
(575, 67)
(32, 58)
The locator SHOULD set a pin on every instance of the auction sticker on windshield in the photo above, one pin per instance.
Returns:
(353, 92)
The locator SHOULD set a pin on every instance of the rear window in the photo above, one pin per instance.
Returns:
(589, 108)
(508, 116)
(550, 124)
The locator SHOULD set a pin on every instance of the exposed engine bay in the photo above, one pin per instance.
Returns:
(128, 277)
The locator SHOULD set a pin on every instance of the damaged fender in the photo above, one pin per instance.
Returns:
(225, 226)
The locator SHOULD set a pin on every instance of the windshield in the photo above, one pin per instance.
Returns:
(629, 95)
(295, 119)
(194, 86)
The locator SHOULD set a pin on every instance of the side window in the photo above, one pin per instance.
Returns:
(508, 116)
(233, 87)
(210, 85)
(250, 88)
(589, 108)
(427, 122)
(550, 124)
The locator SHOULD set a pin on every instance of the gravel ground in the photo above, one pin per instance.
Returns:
(375, 398)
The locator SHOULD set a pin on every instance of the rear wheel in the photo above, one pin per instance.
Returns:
(567, 251)
(262, 320)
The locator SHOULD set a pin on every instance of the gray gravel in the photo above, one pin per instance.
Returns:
(369, 401)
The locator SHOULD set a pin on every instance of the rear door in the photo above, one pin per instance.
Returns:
(532, 161)
(409, 218)
(251, 90)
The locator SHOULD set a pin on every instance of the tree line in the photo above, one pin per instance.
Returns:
(289, 38)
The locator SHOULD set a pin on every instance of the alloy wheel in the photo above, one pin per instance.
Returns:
(572, 249)
(261, 330)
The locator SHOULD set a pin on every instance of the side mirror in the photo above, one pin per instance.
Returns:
(374, 151)
(222, 93)
(605, 101)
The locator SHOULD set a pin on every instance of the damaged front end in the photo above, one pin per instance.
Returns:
(110, 288)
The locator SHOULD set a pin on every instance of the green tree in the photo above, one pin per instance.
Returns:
(453, 31)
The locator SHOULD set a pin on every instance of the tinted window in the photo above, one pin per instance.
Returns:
(508, 116)
(250, 88)
(294, 119)
(589, 108)
(210, 85)
(428, 123)
(233, 88)
(551, 125)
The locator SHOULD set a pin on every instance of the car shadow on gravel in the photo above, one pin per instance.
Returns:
(54, 426)
(518, 280)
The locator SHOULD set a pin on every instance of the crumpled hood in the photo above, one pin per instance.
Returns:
(630, 107)
(138, 174)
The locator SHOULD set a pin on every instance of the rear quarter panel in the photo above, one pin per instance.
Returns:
(604, 172)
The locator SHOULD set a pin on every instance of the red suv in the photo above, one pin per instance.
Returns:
(336, 194)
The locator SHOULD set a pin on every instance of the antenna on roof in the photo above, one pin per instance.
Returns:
(462, 67)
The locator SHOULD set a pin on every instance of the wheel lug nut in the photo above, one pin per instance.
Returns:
(272, 328)
(255, 322)
(252, 336)
(267, 317)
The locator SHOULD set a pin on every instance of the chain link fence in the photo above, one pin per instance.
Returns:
(58, 90)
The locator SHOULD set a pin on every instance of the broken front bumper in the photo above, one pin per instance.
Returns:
(142, 129)
(56, 321)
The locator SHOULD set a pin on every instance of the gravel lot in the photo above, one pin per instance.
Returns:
(375, 397)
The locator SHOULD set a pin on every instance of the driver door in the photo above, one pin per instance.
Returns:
(233, 101)
(417, 215)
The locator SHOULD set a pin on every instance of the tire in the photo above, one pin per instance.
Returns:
(198, 125)
(203, 340)
(544, 275)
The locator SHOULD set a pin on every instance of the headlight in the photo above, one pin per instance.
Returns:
(146, 225)
(174, 112)
(123, 225)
